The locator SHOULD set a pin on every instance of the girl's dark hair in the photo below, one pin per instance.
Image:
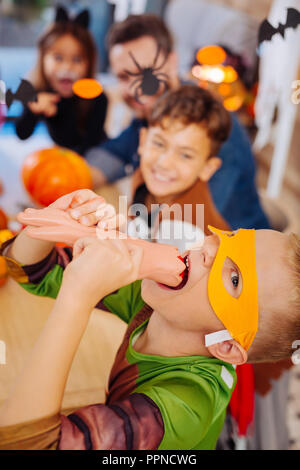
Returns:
(52, 34)
(137, 26)
(193, 105)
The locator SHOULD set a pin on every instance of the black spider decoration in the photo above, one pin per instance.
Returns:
(148, 81)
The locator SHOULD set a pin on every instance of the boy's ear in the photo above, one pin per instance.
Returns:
(142, 138)
(211, 165)
(229, 351)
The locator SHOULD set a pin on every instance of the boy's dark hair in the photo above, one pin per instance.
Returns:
(193, 105)
(137, 26)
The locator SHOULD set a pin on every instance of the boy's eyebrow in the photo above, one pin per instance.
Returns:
(190, 149)
(184, 147)
(157, 134)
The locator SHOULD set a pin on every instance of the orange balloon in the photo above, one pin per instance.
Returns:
(51, 173)
(87, 88)
(211, 55)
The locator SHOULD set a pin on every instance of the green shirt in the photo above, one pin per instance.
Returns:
(191, 392)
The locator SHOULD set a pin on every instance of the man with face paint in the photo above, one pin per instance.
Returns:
(173, 374)
(144, 42)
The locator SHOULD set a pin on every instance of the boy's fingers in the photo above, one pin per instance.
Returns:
(104, 224)
(110, 234)
(81, 244)
(113, 223)
(64, 202)
(92, 205)
(82, 196)
(103, 213)
(89, 219)
(133, 254)
(106, 211)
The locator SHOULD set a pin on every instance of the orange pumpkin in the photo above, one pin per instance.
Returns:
(51, 173)
(3, 220)
(3, 271)
(5, 235)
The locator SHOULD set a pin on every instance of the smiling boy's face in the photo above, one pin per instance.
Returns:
(190, 309)
(173, 156)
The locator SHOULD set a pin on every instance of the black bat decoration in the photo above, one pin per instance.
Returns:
(267, 31)
(25, 93)
(148, 81)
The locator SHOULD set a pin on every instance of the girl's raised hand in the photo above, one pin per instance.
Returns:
(46, 104)
(100, 267)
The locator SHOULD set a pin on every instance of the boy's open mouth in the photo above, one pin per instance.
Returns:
(185, 276)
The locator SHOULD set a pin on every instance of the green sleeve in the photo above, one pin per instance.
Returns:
(126, 302)
(50, 284)
(187, 406)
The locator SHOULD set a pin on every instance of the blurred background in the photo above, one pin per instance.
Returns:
(233, 24)
(235, 28)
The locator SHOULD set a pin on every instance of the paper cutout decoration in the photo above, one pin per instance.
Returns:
(83, 18)
(25, 93)
(148, 81)
(87, 88)
(51, 173)
(267, 31)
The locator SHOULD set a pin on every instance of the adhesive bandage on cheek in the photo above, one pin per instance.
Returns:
(239, 314)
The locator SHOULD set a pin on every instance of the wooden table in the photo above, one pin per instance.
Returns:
(22, 316)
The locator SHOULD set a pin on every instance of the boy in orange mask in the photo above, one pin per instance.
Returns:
(173, 374)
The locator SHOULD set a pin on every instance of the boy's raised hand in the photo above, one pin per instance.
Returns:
(84, 207)
(89, 209)
(100, 267)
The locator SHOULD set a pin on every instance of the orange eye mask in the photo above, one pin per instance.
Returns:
(239, 315)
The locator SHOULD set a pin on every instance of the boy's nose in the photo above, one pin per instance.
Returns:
(165, 160)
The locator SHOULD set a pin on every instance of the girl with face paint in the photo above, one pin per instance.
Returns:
(66, 53)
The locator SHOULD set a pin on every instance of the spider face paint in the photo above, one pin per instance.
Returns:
(239, 315)
(148, 81)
